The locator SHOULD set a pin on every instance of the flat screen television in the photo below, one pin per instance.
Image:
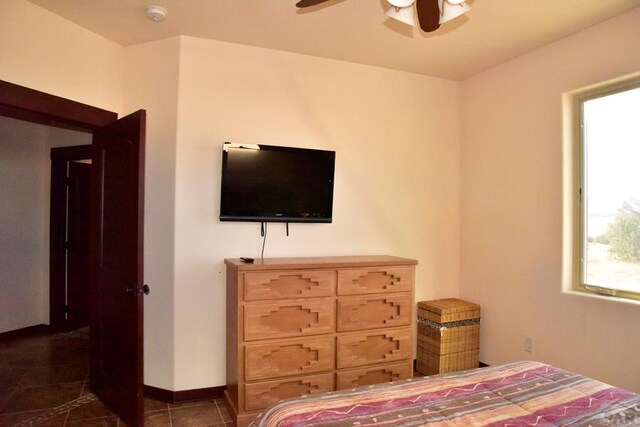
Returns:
(266, 183)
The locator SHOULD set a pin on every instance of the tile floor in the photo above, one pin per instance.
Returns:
(44, 382)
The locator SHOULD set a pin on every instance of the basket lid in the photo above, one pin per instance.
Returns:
(448, 306)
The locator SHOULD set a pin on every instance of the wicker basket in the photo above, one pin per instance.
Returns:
(448, 336)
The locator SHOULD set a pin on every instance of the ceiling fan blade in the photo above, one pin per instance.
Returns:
(307, 3)
(428, 14)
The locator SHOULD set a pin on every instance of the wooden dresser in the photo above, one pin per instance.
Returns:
(308, 325)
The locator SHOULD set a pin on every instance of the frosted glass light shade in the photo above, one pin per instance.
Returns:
(402, 14)
(451, 9)
(401, 3)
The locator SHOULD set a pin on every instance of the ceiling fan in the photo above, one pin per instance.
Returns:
(431, 13)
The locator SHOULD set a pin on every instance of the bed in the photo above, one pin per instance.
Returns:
(516, 394)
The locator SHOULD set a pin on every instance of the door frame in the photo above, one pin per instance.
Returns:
(26, 104)
(22, 103)
(60, 157)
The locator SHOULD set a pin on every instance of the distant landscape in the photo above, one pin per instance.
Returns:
(598, 223)
(606, 272)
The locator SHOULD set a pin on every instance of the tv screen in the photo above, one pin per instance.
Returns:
(266, 183)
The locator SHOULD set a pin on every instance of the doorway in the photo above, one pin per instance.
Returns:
(25, 218)
(116, 238)
(70, 287)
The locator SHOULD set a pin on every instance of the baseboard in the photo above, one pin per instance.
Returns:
(25, 332)
(169, 396)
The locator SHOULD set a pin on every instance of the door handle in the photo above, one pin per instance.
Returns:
(143, 290)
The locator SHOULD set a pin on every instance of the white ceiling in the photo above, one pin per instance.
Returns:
(492, 32)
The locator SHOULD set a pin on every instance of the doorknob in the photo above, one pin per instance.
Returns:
(143, 290)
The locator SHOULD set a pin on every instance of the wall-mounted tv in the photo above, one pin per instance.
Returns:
(266, 183)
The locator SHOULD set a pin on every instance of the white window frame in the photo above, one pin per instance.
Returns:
(574, 249)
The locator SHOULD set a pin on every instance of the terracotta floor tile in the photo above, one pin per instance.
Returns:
(86, 389)
(224, 412)
(95, 422)
(95, 409)
(11, 376)
(157, 419)
(4, 395)
(68, 351)
(200, 415)
(25, 343)
(58, 421)
(190, 403)
(54, 374)
(42, 397)
(154, 405)
(14, 418)
(23, 358)
(40, 374)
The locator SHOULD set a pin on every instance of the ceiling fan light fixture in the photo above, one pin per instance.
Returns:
(430, 14)
(402, 14)
(401, 3)
(450, 9)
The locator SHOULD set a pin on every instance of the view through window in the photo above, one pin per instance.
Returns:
(611, 192)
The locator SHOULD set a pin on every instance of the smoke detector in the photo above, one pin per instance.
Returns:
(156, 13)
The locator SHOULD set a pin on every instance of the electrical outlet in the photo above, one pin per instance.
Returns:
(528, 344)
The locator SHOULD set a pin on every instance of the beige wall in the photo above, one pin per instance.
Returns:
(23, 266)
(42, 51)
(397, 142)
(512, 209)
(45, 52)
(151, 83)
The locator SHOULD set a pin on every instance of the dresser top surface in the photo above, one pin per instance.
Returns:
(319, 262)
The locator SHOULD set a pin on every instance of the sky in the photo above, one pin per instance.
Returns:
(612, 131)
(613, 151)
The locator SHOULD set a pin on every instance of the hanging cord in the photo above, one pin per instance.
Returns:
(263, 230)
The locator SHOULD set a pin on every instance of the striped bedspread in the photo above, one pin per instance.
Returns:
(516, 394)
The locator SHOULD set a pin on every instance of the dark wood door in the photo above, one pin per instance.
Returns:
(117, 262)
(66, 191)
(79, 291)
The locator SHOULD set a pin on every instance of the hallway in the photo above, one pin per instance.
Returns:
(44, 381)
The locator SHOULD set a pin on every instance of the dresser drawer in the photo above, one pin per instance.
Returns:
(374, 347)
(298, 326)
(292, 357)
(269, 285)
(374, 375)
(375, 280)
(260, 395)
(374, 311)
(288, 318)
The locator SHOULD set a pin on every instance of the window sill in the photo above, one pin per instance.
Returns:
(592, 295)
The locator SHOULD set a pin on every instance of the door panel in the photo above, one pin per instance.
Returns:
(117, 262)
(61, 157)
(78, 280)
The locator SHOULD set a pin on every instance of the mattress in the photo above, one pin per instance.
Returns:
(516, 394)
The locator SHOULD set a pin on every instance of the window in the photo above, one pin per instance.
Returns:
(607, 182)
